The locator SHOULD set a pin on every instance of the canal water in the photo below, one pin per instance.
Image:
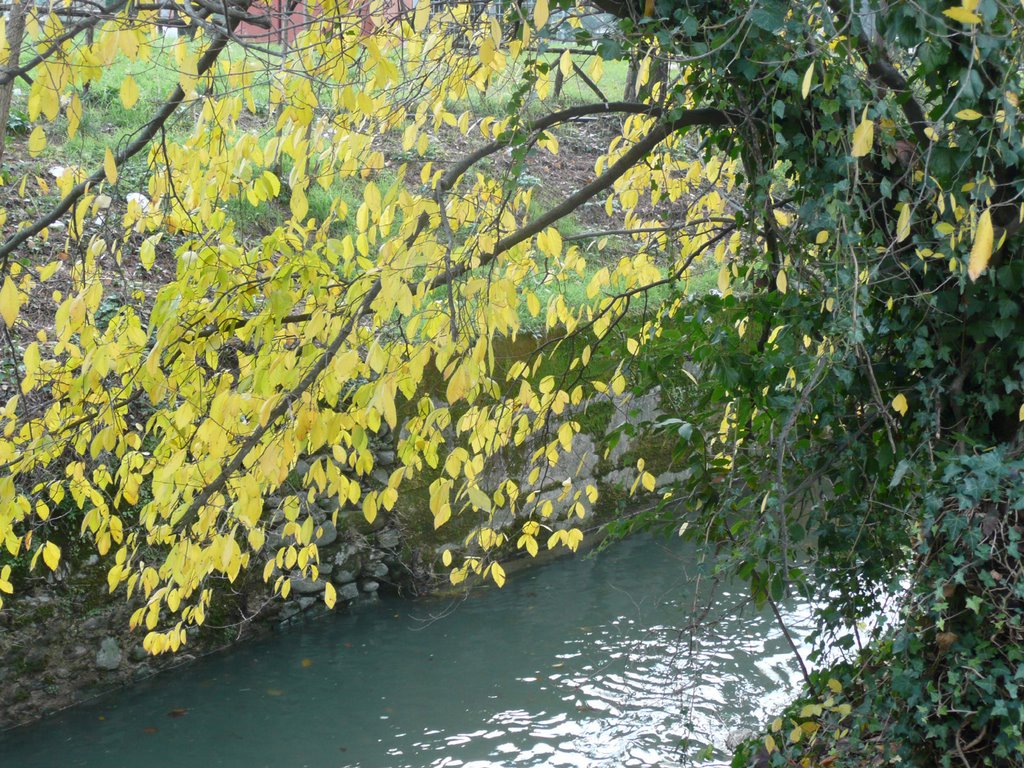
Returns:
(582, 662)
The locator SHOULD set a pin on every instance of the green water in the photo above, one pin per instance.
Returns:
(583, 662)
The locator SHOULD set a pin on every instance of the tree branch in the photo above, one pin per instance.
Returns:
(57, 42)
(602, 182)
(137, 145)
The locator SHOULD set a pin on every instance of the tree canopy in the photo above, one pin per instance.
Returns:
(850, 172)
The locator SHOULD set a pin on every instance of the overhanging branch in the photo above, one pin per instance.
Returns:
(712, 117)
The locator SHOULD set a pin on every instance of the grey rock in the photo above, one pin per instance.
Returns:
(301, 467)
(307, 586)
(619, 478)
(343, 577)
(325, 535)
(137, 654)
(381, 475)
(369, 586)
(325, 568)
(636, 411)
(327, 503)
(668, 478)
(345, 553)
(275, 538)
(348, 592)
(580, 461)
(386, 458)
(109, 655)
(388, 539)
(737, 736)
(305, 603)
(143, 671)
(376, 570)
(290, 611)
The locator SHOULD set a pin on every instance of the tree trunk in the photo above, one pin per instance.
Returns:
(15, 35)
(629, 92)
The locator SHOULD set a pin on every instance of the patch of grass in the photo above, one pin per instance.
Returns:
(574, 91)
(251, 219)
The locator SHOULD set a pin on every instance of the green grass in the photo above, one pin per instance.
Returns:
(107, 123)
(574, 90)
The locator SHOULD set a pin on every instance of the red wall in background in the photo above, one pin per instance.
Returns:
(291, 24)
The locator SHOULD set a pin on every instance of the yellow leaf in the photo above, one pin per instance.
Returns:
(498, 574)
(805, 87)
(299, 204)
(110, 167)
(74, 115)
(981, 251)
(129, 92)
(330, 594)
(36, 141)
(961, 14)
(903, 225)
(968, 114)
(723, 279)
(565, 63)
(822, 237)
(769, 743)
(487, 52)
(780, 281)
(532, 304)
(540, 13)
(899, 404)
(51, 555)
(863, 136)
(10, 302)
(834, 685)
(147, 252)
(421, 17)
(1020, 414)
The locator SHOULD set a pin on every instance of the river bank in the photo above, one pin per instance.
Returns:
(64, 639)
(584, 661)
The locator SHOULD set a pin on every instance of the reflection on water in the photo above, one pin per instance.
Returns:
(579, 663)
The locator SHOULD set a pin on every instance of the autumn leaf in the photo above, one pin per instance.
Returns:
(981, 251)
(36, 141)
(903, 225)
(498, 574)
(863, 136)
(51, 555)
(805, 86)
(129, 92)
(110, 166)
(540, 13)
(10, 302)
(961, 14)
(900, 405)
